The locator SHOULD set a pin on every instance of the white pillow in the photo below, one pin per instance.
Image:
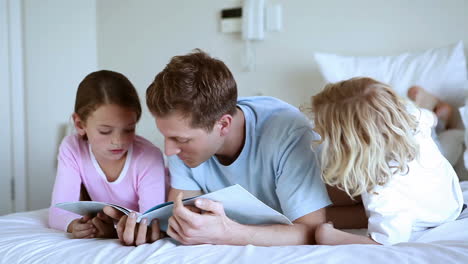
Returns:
(464, 116)
(441, 71)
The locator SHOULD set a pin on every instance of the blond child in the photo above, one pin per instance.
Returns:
(105, 159)
(379, 147)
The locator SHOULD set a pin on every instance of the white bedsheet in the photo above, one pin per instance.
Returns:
(25, 238)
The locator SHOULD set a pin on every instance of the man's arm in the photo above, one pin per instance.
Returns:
(214, 227)
(302, 232)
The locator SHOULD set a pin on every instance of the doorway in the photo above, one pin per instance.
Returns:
(6, 151)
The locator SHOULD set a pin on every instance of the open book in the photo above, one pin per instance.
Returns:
(239, 205)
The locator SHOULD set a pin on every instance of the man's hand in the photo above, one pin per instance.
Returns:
(210, 227)
(131, 233)
(82, 228)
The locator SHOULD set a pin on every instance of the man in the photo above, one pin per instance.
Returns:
(214, 140)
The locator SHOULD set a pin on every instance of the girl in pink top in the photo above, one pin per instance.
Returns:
(105, 161)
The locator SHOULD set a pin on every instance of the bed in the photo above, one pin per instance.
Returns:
(25, 238)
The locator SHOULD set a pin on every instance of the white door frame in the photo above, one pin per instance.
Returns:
(14, 14)
(6, 165)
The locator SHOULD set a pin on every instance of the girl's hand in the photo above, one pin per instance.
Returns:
(104, 225)
(131, 233)
(82, 228)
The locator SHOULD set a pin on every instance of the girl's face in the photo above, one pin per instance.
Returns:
(110, 130)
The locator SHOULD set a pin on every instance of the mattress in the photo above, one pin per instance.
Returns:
(25, 238)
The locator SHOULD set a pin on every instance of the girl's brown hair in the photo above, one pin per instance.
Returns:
(105, 87)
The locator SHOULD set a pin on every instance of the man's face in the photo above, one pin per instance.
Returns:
(192, 145)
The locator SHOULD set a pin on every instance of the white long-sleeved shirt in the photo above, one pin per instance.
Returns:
(427, 196)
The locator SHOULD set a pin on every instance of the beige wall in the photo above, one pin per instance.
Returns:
(59, 50)
(138, 38)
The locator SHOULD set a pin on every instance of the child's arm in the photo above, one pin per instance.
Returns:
(388, 223)
(67, 189)
(390, 219)
(345, 212)
(326, 234)
(104, 226)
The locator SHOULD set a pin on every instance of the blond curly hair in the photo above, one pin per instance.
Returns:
(366, 133)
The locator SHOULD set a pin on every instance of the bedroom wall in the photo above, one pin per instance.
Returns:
(139, 38)
(59, 50)
(64, 40)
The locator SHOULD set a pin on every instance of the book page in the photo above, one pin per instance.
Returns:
(239, 205)
(88, 207)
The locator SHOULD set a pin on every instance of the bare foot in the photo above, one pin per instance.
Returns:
(444, 113)
(422, 98)
(413, 92)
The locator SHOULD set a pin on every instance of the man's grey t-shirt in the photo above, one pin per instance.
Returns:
(276, 164)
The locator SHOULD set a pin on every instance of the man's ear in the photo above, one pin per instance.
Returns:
(79, 124)
(224, 124)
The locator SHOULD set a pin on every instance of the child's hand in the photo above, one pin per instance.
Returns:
(104, 225)
(131, 233)
(82, 228)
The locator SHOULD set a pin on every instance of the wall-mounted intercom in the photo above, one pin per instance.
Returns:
(251, 20)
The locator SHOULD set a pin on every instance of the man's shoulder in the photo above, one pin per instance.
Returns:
(273, 113)
(263, 102)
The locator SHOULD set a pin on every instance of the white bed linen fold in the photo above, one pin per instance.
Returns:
(25, 238)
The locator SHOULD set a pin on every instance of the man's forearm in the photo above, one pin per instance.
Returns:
(214, 227)
(271, 235)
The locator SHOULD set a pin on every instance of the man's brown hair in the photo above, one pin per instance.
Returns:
(196, 85)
